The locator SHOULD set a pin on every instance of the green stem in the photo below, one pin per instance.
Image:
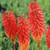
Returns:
(39, 46)
(14, 45)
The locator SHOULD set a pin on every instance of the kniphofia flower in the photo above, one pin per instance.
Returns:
(48, 37)
(10, 25)
(36, 21)
(23, 32)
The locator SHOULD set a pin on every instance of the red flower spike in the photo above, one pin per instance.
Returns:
(48, 37)
(36, 21)
(23, 32)
(10, 25)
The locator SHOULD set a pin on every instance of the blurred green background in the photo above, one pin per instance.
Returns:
(22, 7)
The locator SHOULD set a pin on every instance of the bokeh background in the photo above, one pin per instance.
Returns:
(20, 7)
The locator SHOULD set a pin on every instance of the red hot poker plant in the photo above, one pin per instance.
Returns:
(48, 37)
(36, 21)
(10, 25)
(23, 32)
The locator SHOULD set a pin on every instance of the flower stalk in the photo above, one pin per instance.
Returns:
(39, 46)
(13, 45)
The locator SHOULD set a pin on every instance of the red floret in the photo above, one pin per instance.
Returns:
(10, 25)
(36, 19)
(48, 37)
(23, 32)
(23, 29)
